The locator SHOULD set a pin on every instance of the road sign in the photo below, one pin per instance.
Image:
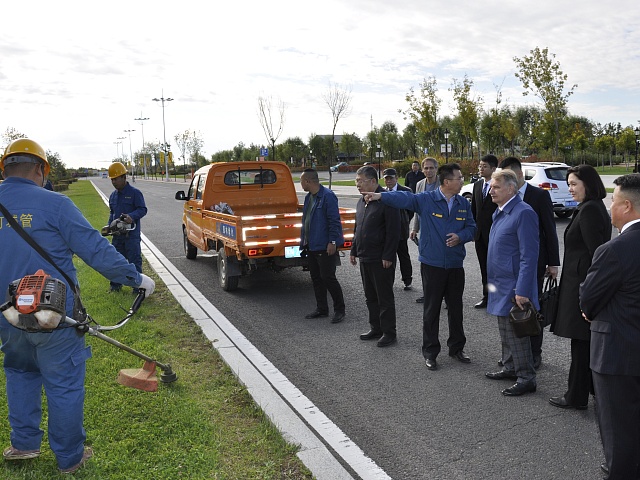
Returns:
(264, 152)
(442, 148)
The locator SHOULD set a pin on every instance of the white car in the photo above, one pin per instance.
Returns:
(550, 176)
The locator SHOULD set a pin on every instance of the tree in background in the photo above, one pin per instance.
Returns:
(543, 77)
(265, 114)
(469, 108)
(293, 150)
(351, 145)
(58, 170)
(423, 110)
(194, 145)
(338, 99)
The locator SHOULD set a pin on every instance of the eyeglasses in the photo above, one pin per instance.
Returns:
(461, 179)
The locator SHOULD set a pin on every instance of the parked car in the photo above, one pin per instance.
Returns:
(550, 176)
(335, 167)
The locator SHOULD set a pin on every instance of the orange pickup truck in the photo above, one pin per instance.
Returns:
(247, 212)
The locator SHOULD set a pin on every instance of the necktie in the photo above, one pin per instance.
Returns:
(485, 189)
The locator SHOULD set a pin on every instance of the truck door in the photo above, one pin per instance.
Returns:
(193, 211)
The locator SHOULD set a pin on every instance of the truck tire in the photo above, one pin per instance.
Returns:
(189, 250)
(228, 283)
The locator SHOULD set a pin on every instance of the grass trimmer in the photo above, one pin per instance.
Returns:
(37, 304)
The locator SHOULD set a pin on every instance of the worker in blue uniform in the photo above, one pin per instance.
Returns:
(53, 359)
(128, 201)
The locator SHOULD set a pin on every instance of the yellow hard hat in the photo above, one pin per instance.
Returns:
(116, 170)
(24, 150)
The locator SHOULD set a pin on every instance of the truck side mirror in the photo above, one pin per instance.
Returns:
(180, 195)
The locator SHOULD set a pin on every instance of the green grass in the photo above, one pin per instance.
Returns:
(204, 426)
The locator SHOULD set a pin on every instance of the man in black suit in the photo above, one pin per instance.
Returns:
(482, 209)
(549, 255)
(412, 178)
(609, 300)
(406, 269)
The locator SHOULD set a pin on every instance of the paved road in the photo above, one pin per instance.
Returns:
(416, 424)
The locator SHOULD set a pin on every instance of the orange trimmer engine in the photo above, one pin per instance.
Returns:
(37, 302)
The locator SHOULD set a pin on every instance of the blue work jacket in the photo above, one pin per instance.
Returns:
(130, 201)
(57, 225)
(435, 223)
(325, 226)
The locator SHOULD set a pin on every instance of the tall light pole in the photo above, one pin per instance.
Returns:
(637, 132)
(446, 145)
(144, 160)
(117, 149)
(133, 172)
(164, 132)
(122, 149)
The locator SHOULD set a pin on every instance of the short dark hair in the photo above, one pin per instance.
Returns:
(311, 174)
(629, 186)
(492, 160)
(446, 171)
(368, 171)
(593, 186)
(511, 162)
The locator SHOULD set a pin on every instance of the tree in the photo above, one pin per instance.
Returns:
(350, 144)
(194, 144)
(543, 77)
(423, 109)
(9, 135)
(338, 99)
(58, 170)
(293, 150)
(468, 109)
(265, 115)
(182, 140)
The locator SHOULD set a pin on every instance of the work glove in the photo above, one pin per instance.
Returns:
(148, 284)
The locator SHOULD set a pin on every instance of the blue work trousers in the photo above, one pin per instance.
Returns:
(129, 247)
(56, 361)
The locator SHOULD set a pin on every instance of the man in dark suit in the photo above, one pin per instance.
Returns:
(549, 255)
(412, 178)
(375, 244)
(609, 300)
(482, 209)
(406, 270)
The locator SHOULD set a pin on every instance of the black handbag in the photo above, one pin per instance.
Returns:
(549, 302)
(525, 322)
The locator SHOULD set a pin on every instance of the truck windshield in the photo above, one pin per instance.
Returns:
(247, 177)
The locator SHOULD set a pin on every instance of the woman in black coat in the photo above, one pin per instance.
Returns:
(589, 228)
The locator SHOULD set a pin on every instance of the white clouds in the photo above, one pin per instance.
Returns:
(76, 85)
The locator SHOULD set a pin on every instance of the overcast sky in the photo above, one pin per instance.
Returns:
(75, 75)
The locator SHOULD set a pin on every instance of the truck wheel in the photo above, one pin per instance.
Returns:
(564, 213)
(228, 283)
(189, 250)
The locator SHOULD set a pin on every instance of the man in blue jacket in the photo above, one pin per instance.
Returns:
(54, 359)
(512, 261)
(320, 237)
(126, 201)
(446, 225)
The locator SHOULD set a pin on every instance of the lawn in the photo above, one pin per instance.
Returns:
(205, 425)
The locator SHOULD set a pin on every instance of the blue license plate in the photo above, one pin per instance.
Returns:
(292, 252)
(571, 203)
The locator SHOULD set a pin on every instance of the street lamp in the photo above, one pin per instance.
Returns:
(637, 132)
(117, 149)
(144, 160)
(446, 144)
(379, 153)
(164, 132)
(122, 150)
(133, 172)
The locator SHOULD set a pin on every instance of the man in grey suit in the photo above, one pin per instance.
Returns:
(610, 300)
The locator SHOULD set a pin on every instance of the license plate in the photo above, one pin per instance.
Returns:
(571, 203)
(292, 252)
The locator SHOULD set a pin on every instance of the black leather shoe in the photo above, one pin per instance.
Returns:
(500, 363)
(502, 375)
(386, 340)
(537, 361)
(420, 300)
(561, 402)
(317, 314)
(604, 468)
(337, 317)
(431, 364)
(460, 355)
(370, 335)
(481, 304)
(518, 389)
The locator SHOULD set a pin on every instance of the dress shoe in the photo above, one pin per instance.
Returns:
(460, 355)
(337, 317)
(502, 375)
(431, 364)
(500, 363)
(604, 468)
(408, 287)
(370, 335)
(386, 340)
(420, 300)
(317, 314)
(481, 304)
(561, 402)
(537, 361)
(518, 389)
